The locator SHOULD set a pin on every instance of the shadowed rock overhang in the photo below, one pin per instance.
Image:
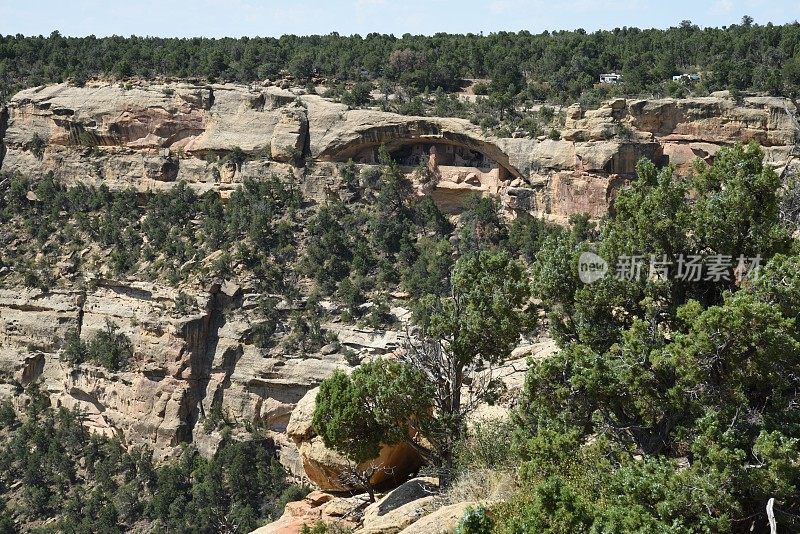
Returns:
(408, 132)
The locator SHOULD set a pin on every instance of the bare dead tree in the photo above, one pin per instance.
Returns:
(358, 477)
(773, 525)
(457, 388)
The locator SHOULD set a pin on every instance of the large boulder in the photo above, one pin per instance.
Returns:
(444, 519)
(401, 507)
(315, 508)
(325, 467)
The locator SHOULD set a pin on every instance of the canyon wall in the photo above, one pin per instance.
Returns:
(151, 136)
(148, 136)
(184, 361)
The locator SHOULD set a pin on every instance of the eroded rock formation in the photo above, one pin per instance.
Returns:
(412, 508)
(150, 136)
(183, 363)
(327, 469)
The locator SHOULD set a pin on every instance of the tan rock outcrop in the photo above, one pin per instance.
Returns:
(151, 135)
(391, 513)
(31, 320)
(289, 136)
(316, 507)
(400, 507)
(325, 467)
(138, 136)
(443, 520)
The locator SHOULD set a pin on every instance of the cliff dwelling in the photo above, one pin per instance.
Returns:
(457, 170)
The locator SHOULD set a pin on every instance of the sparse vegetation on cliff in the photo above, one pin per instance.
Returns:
(672, 404)
(109, 347)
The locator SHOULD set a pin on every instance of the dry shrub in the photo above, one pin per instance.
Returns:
(483, 484)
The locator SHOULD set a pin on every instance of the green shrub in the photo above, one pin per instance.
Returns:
(475, 521)
(379, 314)
(480, 88)
(75, 350)
(8, 417)
(237, 156)
(110, 348)
(214, 418)
(36, 145)
(358, 96)
(184, 303)
(292, 493)
(485, 445)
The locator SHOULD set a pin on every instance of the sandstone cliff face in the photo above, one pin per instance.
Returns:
(599, 148)
(144, 136)
(151, 136)
(289, 137)
(151, 405)
(182, 365)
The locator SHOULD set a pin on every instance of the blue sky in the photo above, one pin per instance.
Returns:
(218, 18)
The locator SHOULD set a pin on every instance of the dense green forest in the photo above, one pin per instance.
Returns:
(51, 467)
(558, 66)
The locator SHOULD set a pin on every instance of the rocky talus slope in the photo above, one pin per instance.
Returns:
(152, 136)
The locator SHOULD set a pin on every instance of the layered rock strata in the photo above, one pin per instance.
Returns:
(148, 136)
